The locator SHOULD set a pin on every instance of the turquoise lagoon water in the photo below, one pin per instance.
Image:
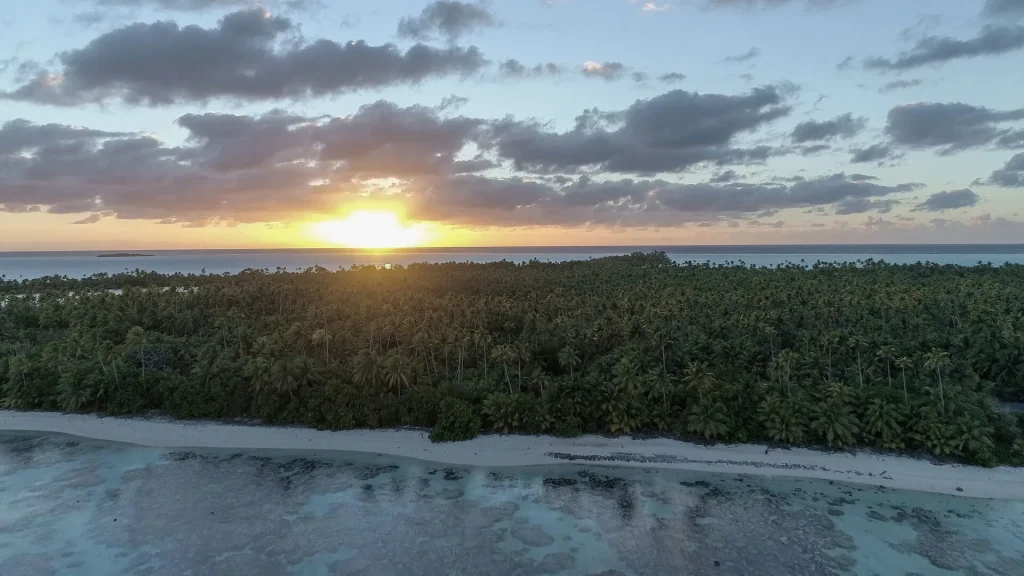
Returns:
(81, 507)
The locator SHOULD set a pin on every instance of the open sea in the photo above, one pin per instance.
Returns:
(26, 265)
(70, 506)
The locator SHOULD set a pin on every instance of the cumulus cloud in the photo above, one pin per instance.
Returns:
(874, 153)
(747, 56)
(478, 200)
(952, 127)
(90, 219)
(668, 133)
(934, 50)
(898, 85)
(1002, 9)
(861, 205)
(672, 77)
(1011, 175)
(844, 126)
(607, 71)
(164, 63)
(449, 19)
(232, 167)
(513, 68)
(951, 200)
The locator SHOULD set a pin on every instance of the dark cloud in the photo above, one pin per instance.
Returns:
(639, 77)
(861, 205)
(17, 136)
(1011, 175)
(845, 64)
(861, 177)
(933, 50)
(723, 177)
(873, 153)
(232, 167)
(952, 200)
(950, 127)
(672, 77)
(668, 133)
(90, 219)
(812, 149)
(513, 68)
(745, 57)
(383, 140)
(449, 19)
(240, 58)
(898, 85)
(844, 126)
(1002, 9)
(477, 200)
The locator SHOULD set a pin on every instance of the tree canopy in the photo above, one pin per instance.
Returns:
(902, 357)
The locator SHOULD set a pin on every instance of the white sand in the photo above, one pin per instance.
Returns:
(493, 451)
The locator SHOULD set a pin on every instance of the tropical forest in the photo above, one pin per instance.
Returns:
(912, 358)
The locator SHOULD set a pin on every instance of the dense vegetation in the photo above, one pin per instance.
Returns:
(897, 357)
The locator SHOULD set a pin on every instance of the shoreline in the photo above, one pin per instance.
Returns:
(494, 451)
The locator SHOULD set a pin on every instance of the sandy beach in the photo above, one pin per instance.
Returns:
(867, 468)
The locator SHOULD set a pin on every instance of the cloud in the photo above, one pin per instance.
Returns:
(952, 200)
(179, 5)
(862, 177)
(898, 85)
(1011, 175)
(232, 167)
(845, 63)
(240, 58)
(861, 205)
(951, 127)
(1002, 9)
(513, 68)
(873, 153)
(672, 77)
(934, 50)
(482, 201)
(668, 133)
(844, 126)
(449, 19)
(90, 219)
(653, 6)
(747, 56)
(607, 71)
(765, 4)
(723, 177)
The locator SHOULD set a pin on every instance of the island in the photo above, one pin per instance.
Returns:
(123, 255)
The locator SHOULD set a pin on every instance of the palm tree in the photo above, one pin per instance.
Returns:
(937, 360)
(887, 354)
(903, 363)
(568, 358)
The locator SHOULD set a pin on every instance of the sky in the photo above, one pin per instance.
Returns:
(133, 124)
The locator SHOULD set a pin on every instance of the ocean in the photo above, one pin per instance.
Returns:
(82, 507)
(27, 265)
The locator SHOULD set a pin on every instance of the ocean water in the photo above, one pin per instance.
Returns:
(24, 265)
(77, 507)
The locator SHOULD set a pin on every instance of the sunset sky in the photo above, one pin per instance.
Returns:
(230, 123)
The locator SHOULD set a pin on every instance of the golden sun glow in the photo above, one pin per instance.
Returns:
(371, 229)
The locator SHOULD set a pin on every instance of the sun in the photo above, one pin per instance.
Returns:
(370, 229)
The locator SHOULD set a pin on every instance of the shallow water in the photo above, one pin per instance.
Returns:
(73, 506)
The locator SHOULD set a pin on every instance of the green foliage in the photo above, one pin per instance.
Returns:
(456, 421)
(867, 354)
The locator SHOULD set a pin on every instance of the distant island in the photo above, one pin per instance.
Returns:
(122, 255)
